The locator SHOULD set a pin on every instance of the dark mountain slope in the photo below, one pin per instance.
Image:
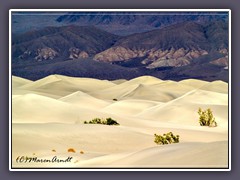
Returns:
(75, 68)
(184, 35)
(179, 51)
(175, 45)
(52, 42)
(125, 23)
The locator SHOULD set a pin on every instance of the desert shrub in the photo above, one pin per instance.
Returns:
(115, 99)
(95, 121)
(71, 150)
(206, 118)
(107, 121)
(168, 138)
(110, 121)
(81, 152)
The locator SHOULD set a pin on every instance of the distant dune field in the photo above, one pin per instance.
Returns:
(48, 119)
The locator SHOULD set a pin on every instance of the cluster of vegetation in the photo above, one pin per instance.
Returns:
(107, 121)
(115, 99)
(166, 138)
(206, 118)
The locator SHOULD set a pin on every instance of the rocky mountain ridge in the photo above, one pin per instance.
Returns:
(175, 45)
(61, 42)
(179, 51)
(126, 23)
(172, 46)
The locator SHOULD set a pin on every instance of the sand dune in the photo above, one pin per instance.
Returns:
(36, 108)
(184, 108)
(48, 118)
(193, 83)
(17, 81)
(216, 86)
(171, 156)
(130, 107)
(138, 88)
(126, 87)
(145, 80)
(119, 81)
(63, 85)
(84, 100)
(175, 156)
(205, 97)
(148, 93)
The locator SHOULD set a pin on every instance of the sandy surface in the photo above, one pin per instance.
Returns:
(48, 116)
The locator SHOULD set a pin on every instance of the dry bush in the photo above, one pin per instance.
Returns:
(71, 150)
(206, 118)
(81, 152)
(166, 138)
(107, 121)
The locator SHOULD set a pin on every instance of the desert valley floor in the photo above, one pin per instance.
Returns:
(48, 118)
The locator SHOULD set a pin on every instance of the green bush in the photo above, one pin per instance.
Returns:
(206, 118)
(166, 138)
(110, 121)
(107, 121)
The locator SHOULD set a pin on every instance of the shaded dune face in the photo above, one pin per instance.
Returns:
(49, 114)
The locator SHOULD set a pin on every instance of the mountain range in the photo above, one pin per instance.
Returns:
(126, 23)
(116, 22)
(178, 51)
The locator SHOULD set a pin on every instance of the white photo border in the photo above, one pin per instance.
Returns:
(117, 169)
